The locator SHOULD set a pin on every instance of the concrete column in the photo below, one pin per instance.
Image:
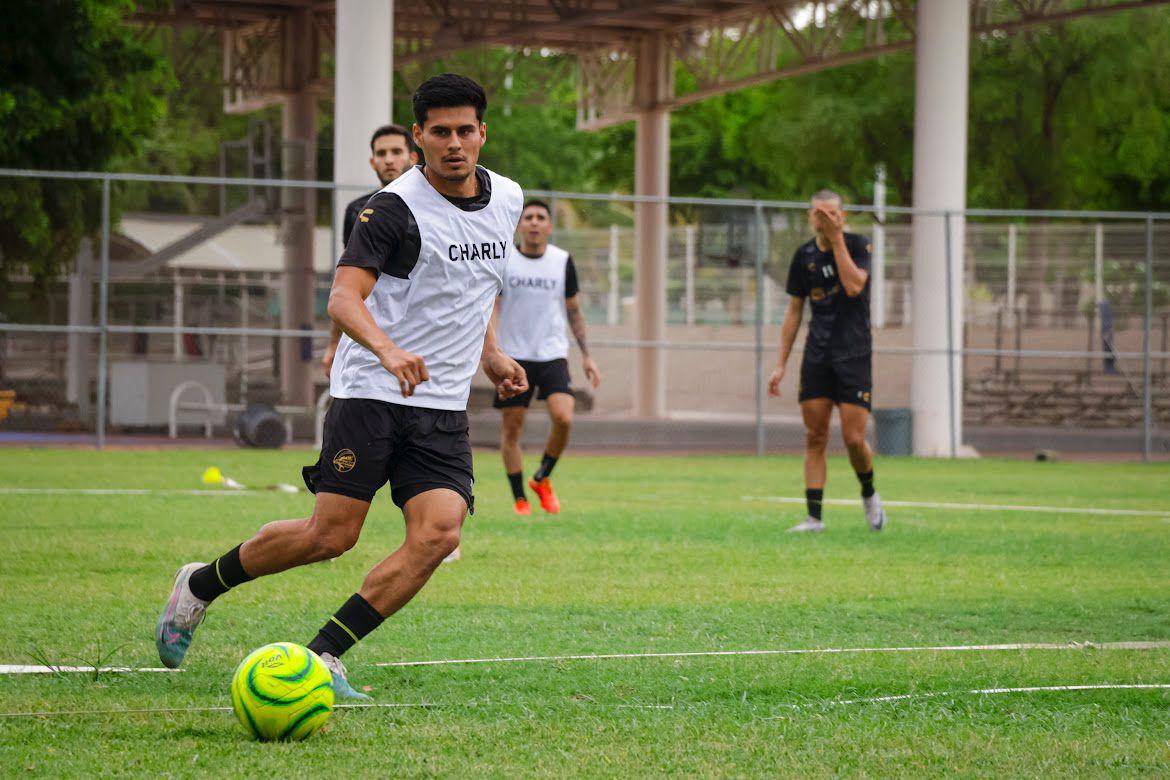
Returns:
(940, 182)
(298, 218)
(653, 83)
(362, 94)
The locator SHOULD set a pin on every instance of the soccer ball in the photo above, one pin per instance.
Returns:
(282, 691)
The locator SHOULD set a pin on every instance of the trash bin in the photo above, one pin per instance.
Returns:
(260, 426)
(893, 431)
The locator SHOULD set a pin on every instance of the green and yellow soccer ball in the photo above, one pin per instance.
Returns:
(282, 692)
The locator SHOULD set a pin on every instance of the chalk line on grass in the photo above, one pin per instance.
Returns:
(43, 669)
(169, 710)
(1141, 645)
(994, 691)
(54, 491)
(682, 706)
(1073, 510)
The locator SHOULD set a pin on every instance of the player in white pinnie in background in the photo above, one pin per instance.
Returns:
(539, 302)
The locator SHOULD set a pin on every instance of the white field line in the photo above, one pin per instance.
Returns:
(806, 705)
(161, 710)
(994, 691)
(51, 491)
(1074, 510)
(42, 669)
(1155, 645)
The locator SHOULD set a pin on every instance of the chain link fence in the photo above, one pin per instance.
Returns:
(1066, 319)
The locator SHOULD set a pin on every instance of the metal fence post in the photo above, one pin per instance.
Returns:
(103, 314)
(1147, 398)
(689, 269)
(613, 298)
(761, 251)
(950, 338)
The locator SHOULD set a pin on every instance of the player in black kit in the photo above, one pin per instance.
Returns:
(832, 272)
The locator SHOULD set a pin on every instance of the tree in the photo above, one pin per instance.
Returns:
(76, 91)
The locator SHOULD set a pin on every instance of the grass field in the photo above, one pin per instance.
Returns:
(649, 555)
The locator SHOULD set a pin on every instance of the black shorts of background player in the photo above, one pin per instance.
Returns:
(832, 272)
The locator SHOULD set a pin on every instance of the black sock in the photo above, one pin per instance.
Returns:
(352, 622)
(219, 576)
(517, 482)
(546, 466)
(866, 480)
(813, 498)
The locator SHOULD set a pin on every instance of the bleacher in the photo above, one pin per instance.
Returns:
(1063, 398)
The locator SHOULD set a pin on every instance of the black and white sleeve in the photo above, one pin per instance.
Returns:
(571, 286)
(385, 238)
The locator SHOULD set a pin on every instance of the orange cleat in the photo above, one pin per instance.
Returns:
(548, 499)
(523, 507)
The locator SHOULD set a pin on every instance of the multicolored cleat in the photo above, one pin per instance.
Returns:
(341, 687)
(179, 619)
(522, 507)
(548, 499)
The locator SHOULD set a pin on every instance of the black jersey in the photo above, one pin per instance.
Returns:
(839, 329)
(351, 214)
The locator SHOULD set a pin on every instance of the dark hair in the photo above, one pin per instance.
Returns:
(391, 130)
(536, 202)
(448, 90)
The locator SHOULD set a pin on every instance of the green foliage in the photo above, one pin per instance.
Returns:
(76, 91)
(1073, 115)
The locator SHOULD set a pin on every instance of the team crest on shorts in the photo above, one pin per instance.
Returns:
(863, 395)
(344, 460)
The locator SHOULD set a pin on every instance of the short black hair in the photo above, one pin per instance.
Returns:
(537, 202)
(448, 90)
(391, 130)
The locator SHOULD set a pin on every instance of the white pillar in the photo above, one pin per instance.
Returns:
(877, 287)
(613, 299)
(940, 182)
(652, 85)
(689, 300)
(362, 92)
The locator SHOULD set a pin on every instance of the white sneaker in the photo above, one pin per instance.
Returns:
(874, 514)
(454, 556)
(810, 526)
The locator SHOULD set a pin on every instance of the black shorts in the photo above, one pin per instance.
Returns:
(550, 376)
(368, 443)
(845, 381)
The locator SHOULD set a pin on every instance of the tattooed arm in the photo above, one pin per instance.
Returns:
(576, 319)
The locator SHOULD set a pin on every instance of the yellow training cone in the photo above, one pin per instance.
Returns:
(213, 476)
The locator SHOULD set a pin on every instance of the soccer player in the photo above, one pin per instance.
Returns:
(390, 157)
(414, 292)
(832, 271)
(539, 297)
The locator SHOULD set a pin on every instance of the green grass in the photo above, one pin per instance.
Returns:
(649, 555)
